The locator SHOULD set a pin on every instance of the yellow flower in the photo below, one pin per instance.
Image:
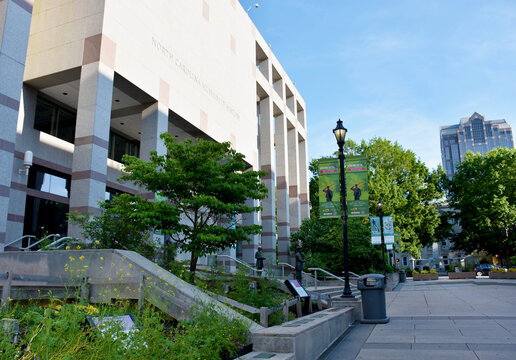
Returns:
(130, 265)
(97, 242)
(81, 257)
(85, 266)
(101, 258)
(67, 247)
(101, 268)
(71, 258)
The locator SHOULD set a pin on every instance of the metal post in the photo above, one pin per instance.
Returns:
(315, 280)
(383, 241)
(347, 290)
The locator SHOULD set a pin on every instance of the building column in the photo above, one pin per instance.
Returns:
(266, 163)
(154, 123)
(304, 180)
(282, 191)
(250, 247)
(293, 171)
(15, 19)
(89, 165)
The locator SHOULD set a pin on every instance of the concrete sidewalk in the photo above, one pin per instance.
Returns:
(459, 319)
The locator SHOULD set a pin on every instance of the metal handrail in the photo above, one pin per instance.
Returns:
(20, 239)
(330, 274)
(39, 241)
(243, 263)
(290, 266)
(58, 241)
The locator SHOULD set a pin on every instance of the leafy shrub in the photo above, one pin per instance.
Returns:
(424, 272)
(512, 270)
(415, 271)
(433, 271)
(58, 331)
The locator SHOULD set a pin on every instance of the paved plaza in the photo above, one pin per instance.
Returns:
(451, 319)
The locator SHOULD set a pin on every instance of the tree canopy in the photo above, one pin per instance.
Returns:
(483, 193)
(409, 192)
(208, 185)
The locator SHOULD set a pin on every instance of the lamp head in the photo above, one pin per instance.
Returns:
(340, 133)
(380, 205)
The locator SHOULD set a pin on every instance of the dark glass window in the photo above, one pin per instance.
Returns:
(120, 145)
(49, 181)
(111, 194)
(488, 130)
(43, 217)
(478, 130)
(467, 131)
(55, 120)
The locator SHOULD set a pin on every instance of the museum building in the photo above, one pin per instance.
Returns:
(83, 82)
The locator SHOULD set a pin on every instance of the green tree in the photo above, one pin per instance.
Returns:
(483, 191)
(126, 222)
(409, 192)
(208, 184)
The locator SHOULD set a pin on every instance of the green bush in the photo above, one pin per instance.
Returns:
(58, 331)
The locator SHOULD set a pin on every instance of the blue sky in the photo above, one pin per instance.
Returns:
(398, 69)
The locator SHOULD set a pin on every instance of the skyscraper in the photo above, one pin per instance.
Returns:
(472, 134)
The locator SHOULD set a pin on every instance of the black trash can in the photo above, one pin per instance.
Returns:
(403, 275)
(372, 287)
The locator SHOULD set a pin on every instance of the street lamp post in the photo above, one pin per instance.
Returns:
(380, 207)
(340, 134)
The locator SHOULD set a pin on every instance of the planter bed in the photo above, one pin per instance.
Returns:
(423, 277)
(462, 275)
(502, 275)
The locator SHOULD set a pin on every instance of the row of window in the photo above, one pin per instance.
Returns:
(56, 183)
(60, 122)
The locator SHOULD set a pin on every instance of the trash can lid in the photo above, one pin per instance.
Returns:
(371, 276)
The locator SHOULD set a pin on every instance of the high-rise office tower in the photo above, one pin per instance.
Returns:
(472, 134)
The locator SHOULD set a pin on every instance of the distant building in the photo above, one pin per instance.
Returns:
(472, 134)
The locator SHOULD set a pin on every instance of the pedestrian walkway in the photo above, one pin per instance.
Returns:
(451, 319)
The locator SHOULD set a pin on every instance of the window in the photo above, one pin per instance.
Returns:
(405, 261)
(45, 217)
(120, 145)
(54, 120)
(488, 130)
(467, 130)
(49, 181)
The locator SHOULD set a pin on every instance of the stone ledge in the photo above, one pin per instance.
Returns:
(307, 337)
(462, 275)
(266, 355)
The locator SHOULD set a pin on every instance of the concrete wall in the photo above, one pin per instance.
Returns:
(201, 65)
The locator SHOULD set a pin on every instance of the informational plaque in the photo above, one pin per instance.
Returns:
(296, 289)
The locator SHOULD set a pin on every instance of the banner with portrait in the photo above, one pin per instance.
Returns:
(329, 189)
(356, 186)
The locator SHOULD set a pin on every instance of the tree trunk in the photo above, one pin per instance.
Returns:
(193, 266)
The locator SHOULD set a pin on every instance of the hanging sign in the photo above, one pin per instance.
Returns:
(388, 230)
(329, 189)
(357, 189)
(376, 238)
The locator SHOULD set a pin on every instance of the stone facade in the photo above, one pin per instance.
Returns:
(85, 81)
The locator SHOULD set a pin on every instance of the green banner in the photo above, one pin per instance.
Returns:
(388, 230)
(329, 189)
(357, 189)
